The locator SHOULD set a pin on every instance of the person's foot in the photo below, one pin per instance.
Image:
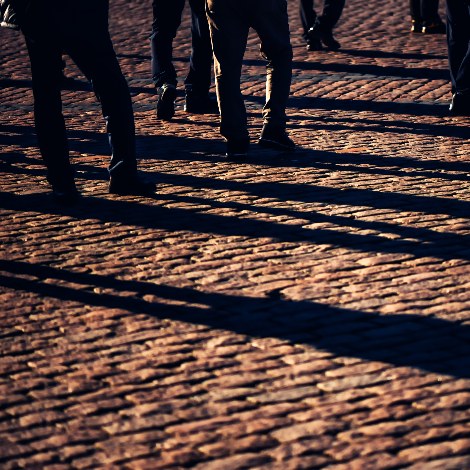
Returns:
(200, 104)
(130, 185)
(437, 27)
(65, 193)
(275, 138)
(166, 101)
(416, 26)
(314, 44)
(329, 41)
(317, 37)
(237, 149)
(460, 105)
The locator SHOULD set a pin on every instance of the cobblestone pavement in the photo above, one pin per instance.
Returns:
(291, 311)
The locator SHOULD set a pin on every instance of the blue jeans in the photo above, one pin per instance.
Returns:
(80, 30)
(458, 42)
(166, 21)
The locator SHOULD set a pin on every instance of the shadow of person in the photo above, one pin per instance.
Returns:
(423, 342)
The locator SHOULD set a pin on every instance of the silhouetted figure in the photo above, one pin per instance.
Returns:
(230, 22)
(80, 29)
(458, 41)
(318, 29)
(166, 21)
(425, 17)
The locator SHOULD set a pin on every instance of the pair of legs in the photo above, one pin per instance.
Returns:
(230, 21)
(425, 17)
(318, 29)
(458, 41)
(166, 21)
(79, 29)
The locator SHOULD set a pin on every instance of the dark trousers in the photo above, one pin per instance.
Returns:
(230, 21)
(458, 42)
(166, 21)
(331, 13)
(425, 11)
(79, 29)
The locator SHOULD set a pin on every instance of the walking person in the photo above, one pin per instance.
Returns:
(318, 29)
(230, 21)
(166, 21)
(425, 17)
(458, 42)
(80, 29)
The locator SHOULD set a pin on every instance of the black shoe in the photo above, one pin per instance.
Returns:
(313, 39)
(460, 105)
(416, 26)
(237, 148)
(275, 139)
(166, 101)
(329, 41)
(130, 186)
(434, 28)
(65, 194)
(200, 104)
(317, 37)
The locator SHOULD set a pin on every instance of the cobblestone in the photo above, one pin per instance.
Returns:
(291, 311)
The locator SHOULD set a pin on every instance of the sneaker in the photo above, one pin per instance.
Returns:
(313, 40)
(237, 148)
(130, 186)
(275, 139)
(200, 104)
(65, 194)
(166, 101)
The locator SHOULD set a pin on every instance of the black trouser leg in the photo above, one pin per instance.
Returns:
(200, 65)
(46, 72)
(308, 16)
(458, 41)
(94, 54)
(166, 21)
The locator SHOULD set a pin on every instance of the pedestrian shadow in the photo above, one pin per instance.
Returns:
(256, 221)
(377, 54)
(370, 126)
(426, 343)
(422, 73)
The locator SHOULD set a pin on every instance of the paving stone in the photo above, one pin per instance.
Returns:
(291, 311)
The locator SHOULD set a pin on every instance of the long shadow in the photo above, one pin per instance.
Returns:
(376, 54)
(380, 126)
(402, 340)
(150, 147)
(364, 69)
(384, 107)
(443, 246)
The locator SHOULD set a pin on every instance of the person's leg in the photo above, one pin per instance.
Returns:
(92, 50)
(308, 16)
(270, 21)
(332, 10)
(458, 40)
(431, 21)
(198, 80)
(166, 21)
(229, 33)
(46, 72)
(322, 30)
